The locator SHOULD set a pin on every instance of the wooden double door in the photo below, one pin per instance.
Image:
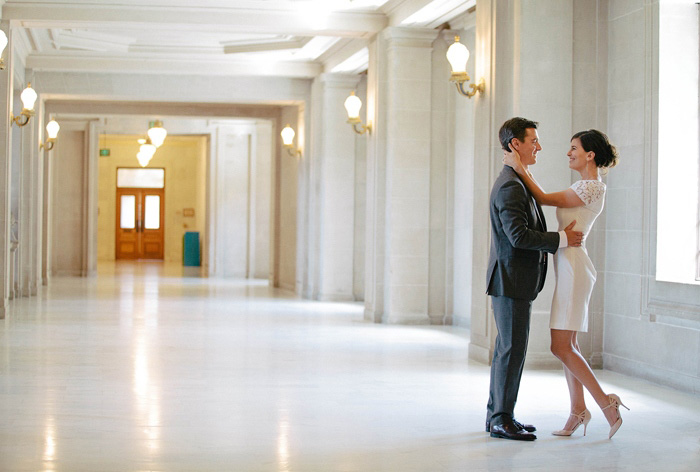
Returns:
(140, 230)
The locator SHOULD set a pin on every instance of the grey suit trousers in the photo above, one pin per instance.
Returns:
(513, 324)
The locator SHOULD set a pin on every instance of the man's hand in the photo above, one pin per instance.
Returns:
(574, 237)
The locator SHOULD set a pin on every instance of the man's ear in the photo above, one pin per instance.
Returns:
(515, 142)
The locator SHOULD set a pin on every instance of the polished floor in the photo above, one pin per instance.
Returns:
(142, 369)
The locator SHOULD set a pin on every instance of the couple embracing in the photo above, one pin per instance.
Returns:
(518, 265)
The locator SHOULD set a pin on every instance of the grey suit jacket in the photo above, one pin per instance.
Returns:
(519, 240)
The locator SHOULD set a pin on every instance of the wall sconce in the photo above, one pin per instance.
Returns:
(28, 98)
(353, 105)
(146, 151)
(288, 140)
(3, 45)
(52, 129)
(157, 133)
(458, 55)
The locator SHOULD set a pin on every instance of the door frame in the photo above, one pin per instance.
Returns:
(140, 221)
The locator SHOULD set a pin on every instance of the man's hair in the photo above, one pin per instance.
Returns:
(514, 128)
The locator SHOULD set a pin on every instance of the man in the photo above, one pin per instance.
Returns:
(516, 273)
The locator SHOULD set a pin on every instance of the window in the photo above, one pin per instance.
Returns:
(128, 212)
(677, 250)
(140, 178)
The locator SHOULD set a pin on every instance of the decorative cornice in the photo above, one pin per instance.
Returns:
(410, 37)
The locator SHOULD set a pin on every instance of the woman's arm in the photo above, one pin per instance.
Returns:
(564, 199)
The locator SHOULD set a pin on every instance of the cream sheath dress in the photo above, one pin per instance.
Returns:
(574, 271)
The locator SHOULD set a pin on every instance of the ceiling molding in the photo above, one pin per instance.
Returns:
(104, 17)
(194, 109)
(398, 10)
(425, 13)
(345, 51)
(22, 46)
(91, 41)
(165, 65)
(293, 43)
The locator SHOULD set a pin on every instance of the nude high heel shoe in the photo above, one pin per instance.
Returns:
(583, 418)
(615, 402)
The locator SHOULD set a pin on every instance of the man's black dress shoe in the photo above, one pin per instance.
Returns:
(527, 427)
(510, 431)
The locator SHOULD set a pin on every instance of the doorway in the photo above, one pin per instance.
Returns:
(140, 213)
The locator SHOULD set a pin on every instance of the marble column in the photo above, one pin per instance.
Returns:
(92, 177)
(332, 201)
(28, 156)
(398, 176)
(526, 74)
(5, 169)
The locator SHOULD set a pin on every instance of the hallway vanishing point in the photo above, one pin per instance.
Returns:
(141, 369)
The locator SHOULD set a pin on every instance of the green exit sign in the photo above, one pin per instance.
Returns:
(104, 152)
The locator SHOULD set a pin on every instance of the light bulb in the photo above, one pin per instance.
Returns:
(157, 134)
(288, 135)
(353, 105)
(144, 159)
(3, 41)
(458, 55)
(28, 97)
(52, 129)
(147, 149)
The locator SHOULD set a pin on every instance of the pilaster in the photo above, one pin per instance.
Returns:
(92, 178)
(5, 169)
(398, 205)
(513, 50)
(28, 155)
(332, 199)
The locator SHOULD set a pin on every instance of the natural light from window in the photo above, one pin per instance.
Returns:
(678, 147)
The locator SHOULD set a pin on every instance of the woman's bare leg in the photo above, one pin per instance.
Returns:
(565, 347)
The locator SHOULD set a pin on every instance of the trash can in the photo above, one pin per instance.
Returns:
(190, 248)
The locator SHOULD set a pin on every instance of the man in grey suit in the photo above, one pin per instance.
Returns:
(516, 273)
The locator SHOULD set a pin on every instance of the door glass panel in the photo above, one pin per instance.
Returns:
(140, 178)
(152, 211)
(127, 217)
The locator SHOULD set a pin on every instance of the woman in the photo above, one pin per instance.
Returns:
(575, 274)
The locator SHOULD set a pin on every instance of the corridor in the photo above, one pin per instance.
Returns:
(141, 369)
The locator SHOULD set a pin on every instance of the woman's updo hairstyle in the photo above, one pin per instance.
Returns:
(596, 141)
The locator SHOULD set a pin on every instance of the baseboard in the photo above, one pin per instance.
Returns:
(68, 273)
(371, 317)
(479, 354)
(406, 319)
(461, 321)
(542, 361)
(666, 378)
(336, 297)
(289, 287)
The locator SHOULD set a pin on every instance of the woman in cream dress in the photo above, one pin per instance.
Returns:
(574, 272)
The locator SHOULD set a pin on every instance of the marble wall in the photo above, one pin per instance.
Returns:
(68, 249)
(652, 328)
(462, 169)
(291, 194)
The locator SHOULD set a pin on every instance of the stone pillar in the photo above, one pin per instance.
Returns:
(261, 183)
(6, 77)
(332, 188)
(526, 74)
(36, 190)
(398, 170)
(29, 154)
(92, 177)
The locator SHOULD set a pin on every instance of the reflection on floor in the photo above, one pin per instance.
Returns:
(141, 369)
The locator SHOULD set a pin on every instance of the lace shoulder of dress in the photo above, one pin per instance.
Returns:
(589, 191)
